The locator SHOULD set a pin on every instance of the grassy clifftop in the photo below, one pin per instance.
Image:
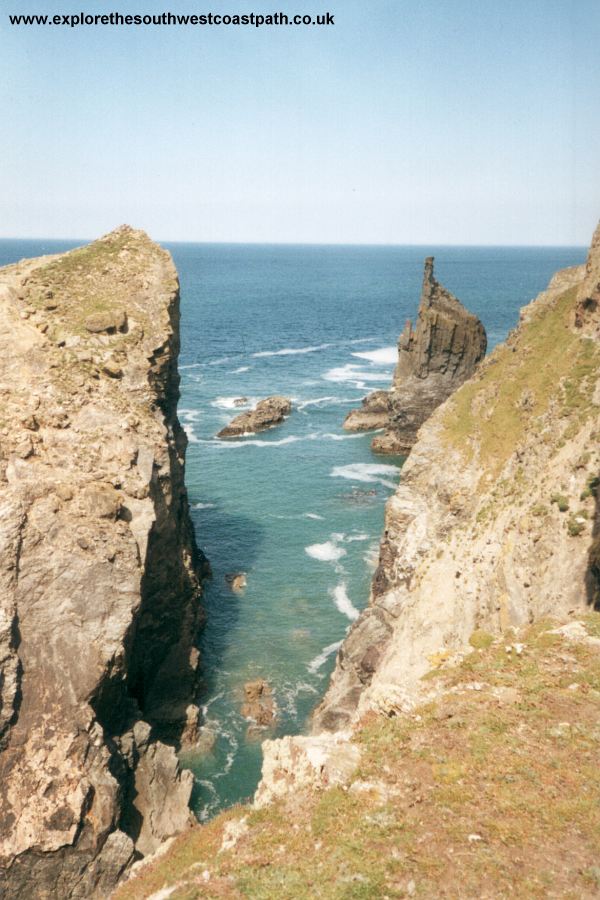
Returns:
(539, 384)
(490, 789)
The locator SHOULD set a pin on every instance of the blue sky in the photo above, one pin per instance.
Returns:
(412, 121)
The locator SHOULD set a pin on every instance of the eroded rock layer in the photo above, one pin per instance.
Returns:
(495, 521)
(434, 358)
(99, 570)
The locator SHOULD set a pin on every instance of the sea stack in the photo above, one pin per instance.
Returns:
(434, 358)
(99, 569)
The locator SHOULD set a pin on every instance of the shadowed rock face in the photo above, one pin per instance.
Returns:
(99, 570)
(434, 358)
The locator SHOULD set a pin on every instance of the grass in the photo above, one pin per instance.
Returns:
(489, 792)
(553, 368)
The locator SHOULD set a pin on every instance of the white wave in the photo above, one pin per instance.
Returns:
(327, 552)
(191, 366)
(288, 695)
(204, 506)
(343, 601)
(357, 537)
(341, 437)
(290, 439)
(385, 356)
(240, 370)
(220, 361)
(355, 374)
(189, 415)
(371, 556)
(191, 436)
(291, 351)
(317, 401)
(366, 472)
(229, 402)
(312, 516)
(315, 664)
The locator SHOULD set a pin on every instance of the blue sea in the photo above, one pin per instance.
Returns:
(299, 508)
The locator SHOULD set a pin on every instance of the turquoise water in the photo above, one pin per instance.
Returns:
(300, 508)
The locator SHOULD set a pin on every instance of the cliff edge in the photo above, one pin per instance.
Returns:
(100, 573)
(493, 524)
(434, 358)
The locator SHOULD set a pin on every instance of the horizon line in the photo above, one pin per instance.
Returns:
(86, 240)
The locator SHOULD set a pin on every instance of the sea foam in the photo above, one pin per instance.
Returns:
(316, 663)
(291, 351)
(230, 403)
(327, 552)
(355, 374)
(343, 601)
(366, 472)
(383, 357)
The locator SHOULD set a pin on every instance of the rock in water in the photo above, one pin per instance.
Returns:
(434, 358)
(99, 569)
(237, 581)
(259, 705)
(266, 414)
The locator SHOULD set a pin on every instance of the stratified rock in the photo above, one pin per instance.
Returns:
(374, 413)
(259, 704)
(99, 569)
(266, 414)
(434, 358)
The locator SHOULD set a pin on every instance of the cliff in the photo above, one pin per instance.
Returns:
(98, 565)
(434, 358)
(455, 751)
(492, 524)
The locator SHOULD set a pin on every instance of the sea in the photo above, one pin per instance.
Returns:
(299, 509)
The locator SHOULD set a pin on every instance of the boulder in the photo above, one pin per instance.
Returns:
(266, 414)
(236, 580)
(109, 322)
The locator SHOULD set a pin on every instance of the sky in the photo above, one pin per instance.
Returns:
(407, 122)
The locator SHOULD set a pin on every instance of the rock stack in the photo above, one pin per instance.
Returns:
(434, 358)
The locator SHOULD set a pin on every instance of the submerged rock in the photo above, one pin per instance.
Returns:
(434, 358)
(237, 581)
(266, 414)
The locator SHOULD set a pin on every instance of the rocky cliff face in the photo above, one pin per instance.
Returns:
(495, 521)
(98, 566)
(434, 358)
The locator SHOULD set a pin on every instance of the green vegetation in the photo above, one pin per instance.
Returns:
(492, 791)
(481, 640)
(551, 371)
(561, 501)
